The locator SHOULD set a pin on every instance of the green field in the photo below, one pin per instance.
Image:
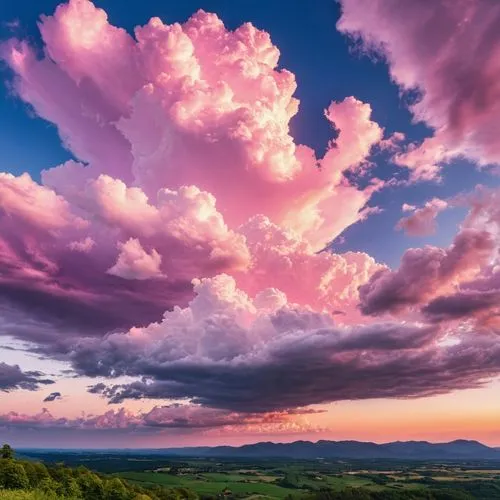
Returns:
(277, 480)
(272, 484)
(213, 483)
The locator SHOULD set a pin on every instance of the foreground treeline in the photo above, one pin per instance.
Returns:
(25, 480)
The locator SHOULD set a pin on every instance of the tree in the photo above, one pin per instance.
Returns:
(7, 452)
(291, 480)
(48, 486)
(69, 488)
(115, 490)
(13, 476)
(174, 470)
(91, 486)
(36, 472)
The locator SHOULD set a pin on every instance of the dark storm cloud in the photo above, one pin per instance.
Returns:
(12, 377)
(298, 369)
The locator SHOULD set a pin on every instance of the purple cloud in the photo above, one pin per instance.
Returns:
(227, 351)
(12, 378)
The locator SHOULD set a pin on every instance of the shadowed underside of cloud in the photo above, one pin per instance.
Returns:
(427, 272)
(478, 299)
(12, 377)
(450, 52)
(227, 351)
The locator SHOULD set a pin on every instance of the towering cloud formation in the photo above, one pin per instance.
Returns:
(178, 152)
(450, 52)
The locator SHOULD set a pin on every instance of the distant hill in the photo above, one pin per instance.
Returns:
(414, 450)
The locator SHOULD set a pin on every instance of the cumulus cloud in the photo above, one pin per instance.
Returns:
(177, 152)
(84, 245)
(422, 222)
(426, 274)
(393, 143)
(449, 51)
(408, 208)
(328, 281)
(477, 299)
(12, 378)
(229, 351)
(135, 263)
(53, 396)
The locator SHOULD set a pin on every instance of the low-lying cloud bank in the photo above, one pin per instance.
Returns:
(160, 419)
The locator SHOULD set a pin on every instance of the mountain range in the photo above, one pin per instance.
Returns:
(411, 450)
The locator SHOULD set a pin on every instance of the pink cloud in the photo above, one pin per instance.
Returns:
(408, 208)
(36, 206)
(281, 259)
(161, 419)
(422, 222)
(425, 274)
(84, 245)
(393, 143)
(178, 151)
(218, 123)
(450, 51)
(136, 263)
(476, 300)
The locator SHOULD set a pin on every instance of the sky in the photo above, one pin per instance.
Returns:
(228, 222)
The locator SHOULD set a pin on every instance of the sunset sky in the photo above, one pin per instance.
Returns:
(224, 222)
